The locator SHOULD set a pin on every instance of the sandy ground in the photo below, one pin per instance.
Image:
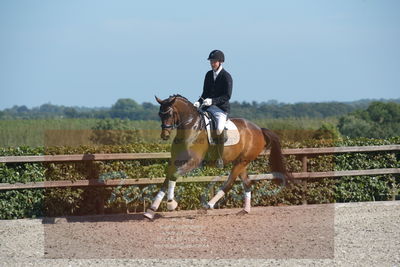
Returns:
(351, 234)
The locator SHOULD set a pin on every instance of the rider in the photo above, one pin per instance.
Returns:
(217, 91)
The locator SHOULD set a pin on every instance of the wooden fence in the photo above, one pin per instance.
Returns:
(303, 154)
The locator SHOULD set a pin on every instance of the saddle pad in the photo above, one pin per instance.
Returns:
(232, 132)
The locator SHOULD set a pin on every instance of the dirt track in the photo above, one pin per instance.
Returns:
(340, 234)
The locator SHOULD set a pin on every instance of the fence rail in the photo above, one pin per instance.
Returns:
(166, 155)
(192, 179)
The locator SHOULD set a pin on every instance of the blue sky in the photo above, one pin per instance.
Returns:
(92, 53)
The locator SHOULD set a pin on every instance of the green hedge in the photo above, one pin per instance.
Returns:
(79, 201)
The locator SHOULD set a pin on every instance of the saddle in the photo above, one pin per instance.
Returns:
(232, 132)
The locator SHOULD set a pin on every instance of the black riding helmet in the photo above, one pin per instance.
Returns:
(216, 55)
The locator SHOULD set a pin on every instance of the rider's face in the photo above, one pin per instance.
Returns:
(215, 64)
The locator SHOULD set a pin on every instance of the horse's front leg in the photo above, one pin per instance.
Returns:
(169, 184)
(169, 187)
(176, 169)
(179, 168)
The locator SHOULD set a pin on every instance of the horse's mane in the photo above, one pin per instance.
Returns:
(184, 99)
(178, 95)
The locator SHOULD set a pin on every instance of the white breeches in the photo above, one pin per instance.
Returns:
(220, 116)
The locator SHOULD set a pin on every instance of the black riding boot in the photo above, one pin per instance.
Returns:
(220, 140)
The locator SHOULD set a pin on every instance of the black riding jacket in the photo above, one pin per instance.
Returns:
(219, 91)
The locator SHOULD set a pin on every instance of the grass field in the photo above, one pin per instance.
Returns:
(35, 132)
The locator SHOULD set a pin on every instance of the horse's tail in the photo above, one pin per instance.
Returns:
(276, 160)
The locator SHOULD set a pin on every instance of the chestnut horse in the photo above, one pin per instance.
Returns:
(190, 147)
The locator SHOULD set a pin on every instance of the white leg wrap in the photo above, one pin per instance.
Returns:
(149, 214)
(171, 189)
(172, 204)
(217, 197)
(247, 201)
(157, 200)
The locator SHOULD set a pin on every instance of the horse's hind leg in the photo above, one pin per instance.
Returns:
(236, 170)
(247, 192)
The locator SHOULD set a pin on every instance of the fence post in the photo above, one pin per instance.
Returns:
(395, 191)
(304, 160)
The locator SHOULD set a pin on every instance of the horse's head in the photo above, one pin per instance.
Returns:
(167, 115)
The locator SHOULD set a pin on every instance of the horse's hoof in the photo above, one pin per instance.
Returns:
(242, 212)
(149, 214)
(172, 204)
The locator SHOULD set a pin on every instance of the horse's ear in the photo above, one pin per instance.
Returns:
(172, 100)
(159, 100)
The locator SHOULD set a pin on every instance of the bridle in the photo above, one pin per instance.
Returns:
(170, 112)
(163, 114)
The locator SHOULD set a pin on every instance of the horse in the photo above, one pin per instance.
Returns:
(190, 146)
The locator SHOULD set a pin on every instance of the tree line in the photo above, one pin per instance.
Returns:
(129, 109)
(378, 120)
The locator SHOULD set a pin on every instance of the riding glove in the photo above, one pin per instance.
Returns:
(207, 102)
(196, 104)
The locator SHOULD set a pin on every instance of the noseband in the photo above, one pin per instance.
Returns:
(168, 126)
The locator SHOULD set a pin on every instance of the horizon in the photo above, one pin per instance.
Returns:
(92, 53)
